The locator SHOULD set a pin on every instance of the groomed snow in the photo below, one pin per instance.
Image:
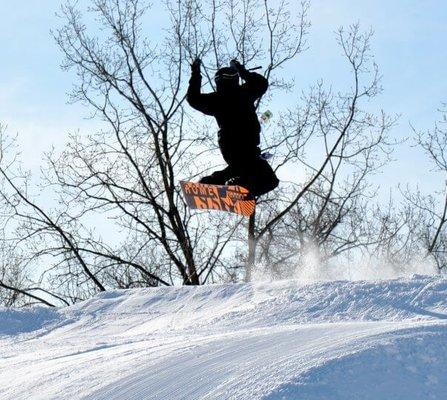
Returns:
(278, 340)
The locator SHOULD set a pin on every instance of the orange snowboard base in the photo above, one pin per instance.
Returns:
(230, 198)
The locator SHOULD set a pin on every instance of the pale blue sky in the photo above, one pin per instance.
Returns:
(409, 45)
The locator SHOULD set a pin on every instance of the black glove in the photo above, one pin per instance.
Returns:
(235, 64)
(195, 66)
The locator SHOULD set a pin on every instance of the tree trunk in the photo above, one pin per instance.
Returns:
(251, 248)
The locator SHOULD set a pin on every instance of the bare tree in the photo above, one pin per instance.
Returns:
(327, 210)
(31, 234)
(125, 176)
(13, 285)
(429, 212)
(131, 170)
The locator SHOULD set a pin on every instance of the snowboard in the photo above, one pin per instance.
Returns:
(231, 198)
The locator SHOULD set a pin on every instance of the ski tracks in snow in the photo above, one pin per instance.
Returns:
(284, 340)
(253, 364)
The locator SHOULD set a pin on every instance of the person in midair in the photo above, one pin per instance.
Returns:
(233, 106)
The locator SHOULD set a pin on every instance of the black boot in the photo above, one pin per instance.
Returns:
(217, 177)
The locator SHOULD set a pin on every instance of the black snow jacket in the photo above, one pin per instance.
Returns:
(234, 111)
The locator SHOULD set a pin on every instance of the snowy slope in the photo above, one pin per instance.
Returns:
(280, 340)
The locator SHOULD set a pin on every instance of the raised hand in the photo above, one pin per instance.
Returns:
(195, 66)
(237, 65)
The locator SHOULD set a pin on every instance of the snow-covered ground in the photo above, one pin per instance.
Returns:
(279, 340)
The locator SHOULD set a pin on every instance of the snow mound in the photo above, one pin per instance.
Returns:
(411, 365)
(276, 340)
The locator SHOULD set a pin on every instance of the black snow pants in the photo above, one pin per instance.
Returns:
(245, 168)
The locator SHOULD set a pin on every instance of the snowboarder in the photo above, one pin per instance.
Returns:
(233, 107)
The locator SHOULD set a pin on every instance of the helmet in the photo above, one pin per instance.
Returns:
(226, 78)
